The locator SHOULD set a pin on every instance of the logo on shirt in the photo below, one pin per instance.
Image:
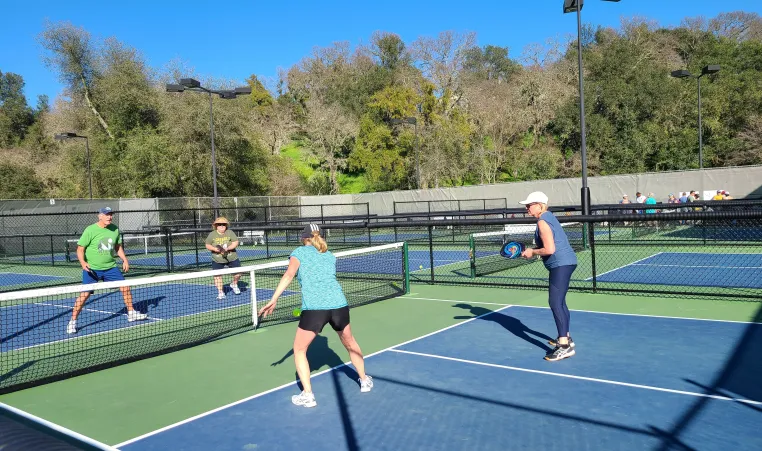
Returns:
(106, 245)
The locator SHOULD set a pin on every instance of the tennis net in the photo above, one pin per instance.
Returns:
(484, 247)
(36, 345)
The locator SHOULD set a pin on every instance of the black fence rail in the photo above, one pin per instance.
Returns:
(715, 254)
(150, 220)
(450, 205)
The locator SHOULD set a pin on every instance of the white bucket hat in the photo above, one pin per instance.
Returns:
(537, 197)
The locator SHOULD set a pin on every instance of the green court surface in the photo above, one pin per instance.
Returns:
(124, 402)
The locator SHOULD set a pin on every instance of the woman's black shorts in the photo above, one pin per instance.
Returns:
(315, 320)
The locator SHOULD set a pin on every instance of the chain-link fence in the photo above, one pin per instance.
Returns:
(715, 254)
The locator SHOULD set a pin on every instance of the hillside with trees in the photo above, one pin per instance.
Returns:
(332, 122)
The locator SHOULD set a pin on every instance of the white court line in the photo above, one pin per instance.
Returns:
(591, 311)
(58, 428)
(583, 378)
(628, 264)
(696, 266)
(241, 401)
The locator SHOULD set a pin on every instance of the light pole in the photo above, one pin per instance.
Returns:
(414, 121)
(189, 84)
(69, 135)
(569, 7)
(707, 70)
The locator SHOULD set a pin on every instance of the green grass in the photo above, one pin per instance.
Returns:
(306, 166)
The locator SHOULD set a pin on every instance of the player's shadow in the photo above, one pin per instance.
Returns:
(321, 356)
(509, 323)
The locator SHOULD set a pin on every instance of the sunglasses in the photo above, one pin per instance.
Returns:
(529, 206)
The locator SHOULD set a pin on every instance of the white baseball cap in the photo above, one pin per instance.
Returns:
(537, 197)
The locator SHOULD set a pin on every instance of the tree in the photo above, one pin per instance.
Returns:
(330, 135)
(72, 54)
(15, 115)
(19, 182)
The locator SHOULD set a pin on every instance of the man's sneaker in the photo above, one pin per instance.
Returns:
(559, 353)
(366, 384)
(554, 343)
(304, 399)
(72, 327)
(135, 315)
(235, 288)
(221, 297)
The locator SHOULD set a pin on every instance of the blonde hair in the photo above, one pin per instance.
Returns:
(317, 242)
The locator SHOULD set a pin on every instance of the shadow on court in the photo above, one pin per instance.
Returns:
(321, 357)
(509, 323)
(738, 378)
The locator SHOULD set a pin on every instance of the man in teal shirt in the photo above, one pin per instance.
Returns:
(95, 252)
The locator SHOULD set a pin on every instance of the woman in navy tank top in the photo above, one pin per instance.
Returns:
(552, 245)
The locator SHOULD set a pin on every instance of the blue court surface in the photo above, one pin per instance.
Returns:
(33, 324)
(17, 278)
(666, 383)
(691, 269)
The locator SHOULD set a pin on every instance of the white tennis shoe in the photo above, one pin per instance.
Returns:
(135, 315)
(304, 399)
(366, 384)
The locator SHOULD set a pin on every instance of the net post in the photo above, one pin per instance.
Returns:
(253, 288)
(406, 266)
(472, 255)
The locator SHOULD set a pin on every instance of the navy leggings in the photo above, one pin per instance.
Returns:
(559, 285)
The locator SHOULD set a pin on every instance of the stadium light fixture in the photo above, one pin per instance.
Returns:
(191, 84)
(683, 73)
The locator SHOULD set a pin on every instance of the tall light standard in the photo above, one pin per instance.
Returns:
(414, 121)
(69, 135)
(189, 84)
(569, 7)
(707, 70)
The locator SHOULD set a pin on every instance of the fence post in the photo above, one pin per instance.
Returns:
(195, 240)
(406, 267)
(592, 256)
(167, 248)
(431, 250)
(52, 252)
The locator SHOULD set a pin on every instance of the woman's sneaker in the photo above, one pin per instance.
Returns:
(554, 343)
(134, 315)
(221, 297)
(559, 353)
(366, 384)
(304, 399)
(235, 288)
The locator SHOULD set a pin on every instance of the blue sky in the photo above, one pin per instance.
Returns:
(234, 39)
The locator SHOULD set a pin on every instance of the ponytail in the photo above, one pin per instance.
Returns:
(318, 242)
